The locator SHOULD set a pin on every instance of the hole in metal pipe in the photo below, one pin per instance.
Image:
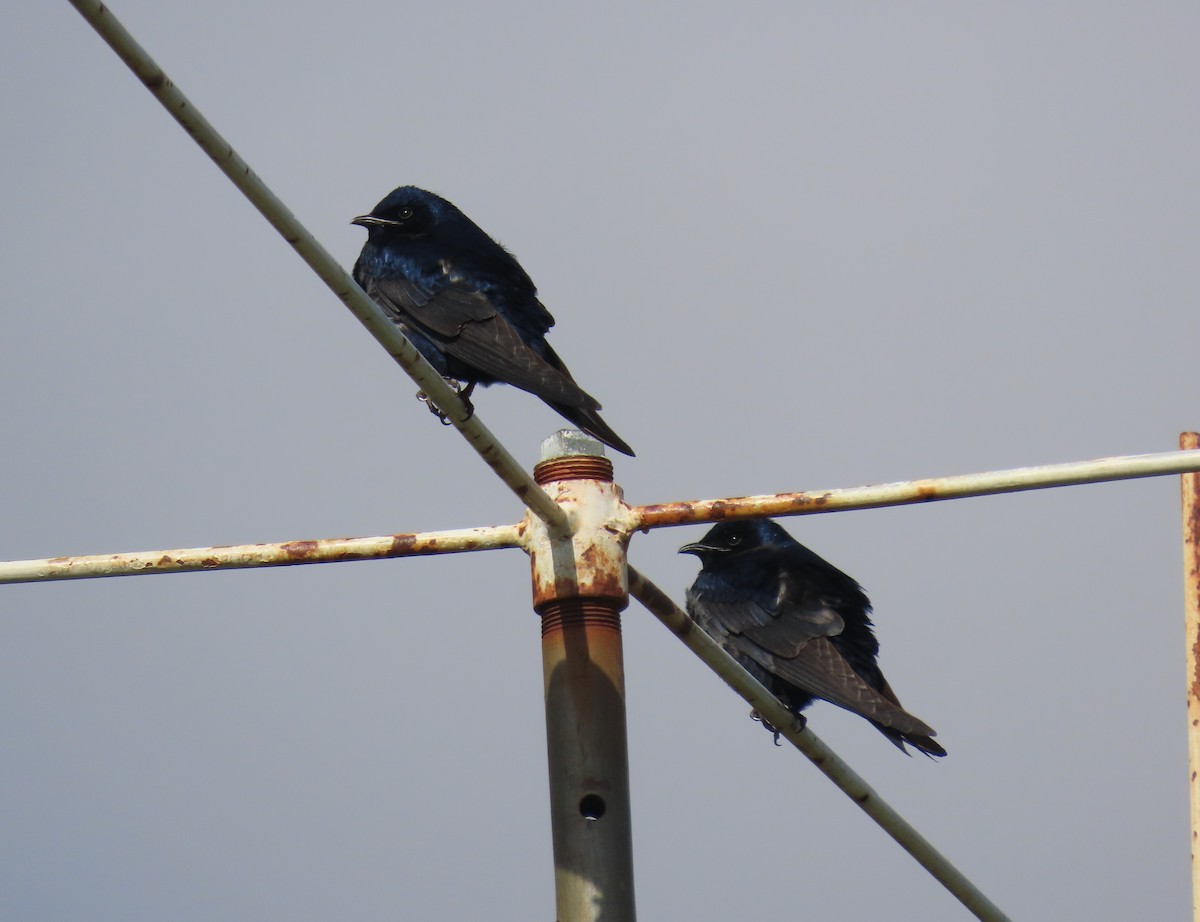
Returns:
(592, 807)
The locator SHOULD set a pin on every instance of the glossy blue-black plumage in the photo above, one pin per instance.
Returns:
(801, 626)
(466, 303)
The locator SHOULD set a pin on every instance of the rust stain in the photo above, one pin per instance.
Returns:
(588, 615)
(599, 574)
(1192, 539)
(1190, 488)
(402, 544)
(165, 561)
(661, 605)
(1194, 690)
(574, 467)
(683, 626)
(210, 562)
(719, 509)
(299, 550)
(696, 511)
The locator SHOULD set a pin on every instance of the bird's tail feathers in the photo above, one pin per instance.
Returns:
(921, 743)
(587, 419)
(908, 729)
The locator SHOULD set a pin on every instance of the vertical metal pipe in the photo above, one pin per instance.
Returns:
(580, 588)
(1191, 615)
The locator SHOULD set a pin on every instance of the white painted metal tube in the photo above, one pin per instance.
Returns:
(824, 758)
(1190, 495)
(320, 260)
(1127, 467)
(284, 554)
(657, 516)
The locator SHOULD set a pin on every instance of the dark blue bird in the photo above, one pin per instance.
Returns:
(801, 626)
(466, 304)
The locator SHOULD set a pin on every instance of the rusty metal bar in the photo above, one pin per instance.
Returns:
(824, 758)
(1190, 488)
(919, 491)
(579, 589)
(320, 260)
(635, 517)
(285, 554)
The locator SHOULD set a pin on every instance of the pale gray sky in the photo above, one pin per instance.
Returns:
(789, 247)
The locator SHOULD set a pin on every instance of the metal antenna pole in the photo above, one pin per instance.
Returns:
(579, 589)
(1191, 610)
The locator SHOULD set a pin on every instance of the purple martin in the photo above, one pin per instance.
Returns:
(800, 626)
(465, 302)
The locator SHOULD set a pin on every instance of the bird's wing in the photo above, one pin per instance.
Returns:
(781, 632)
(797, 616)
(443, 314)
(467, 326)
(781, 625)
(819, 668)
(791, 640)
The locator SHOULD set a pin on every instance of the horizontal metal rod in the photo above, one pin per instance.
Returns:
(338, 549)
(824, 758)
(320, 260)
(285, 554)
(918, 491)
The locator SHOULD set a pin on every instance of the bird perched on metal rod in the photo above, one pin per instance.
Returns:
(467, 305)
(800, 626)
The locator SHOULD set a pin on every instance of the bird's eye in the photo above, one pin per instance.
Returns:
(735, 539)
(405, 213)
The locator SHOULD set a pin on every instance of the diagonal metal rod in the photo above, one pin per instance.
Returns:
(242, 556)
(373, 317)
(1127, 467)
(824, 758)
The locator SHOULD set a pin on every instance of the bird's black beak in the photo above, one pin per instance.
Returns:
(698, 548)
(369, 220)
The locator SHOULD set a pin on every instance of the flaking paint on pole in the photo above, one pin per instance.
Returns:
(244, 556)
(579, 589)
(875, 496)
(328, 550)
(1190, 488)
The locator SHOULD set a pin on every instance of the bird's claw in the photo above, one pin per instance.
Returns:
(772, 729)
(462, 391)
(434, 409)
(464, 394)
